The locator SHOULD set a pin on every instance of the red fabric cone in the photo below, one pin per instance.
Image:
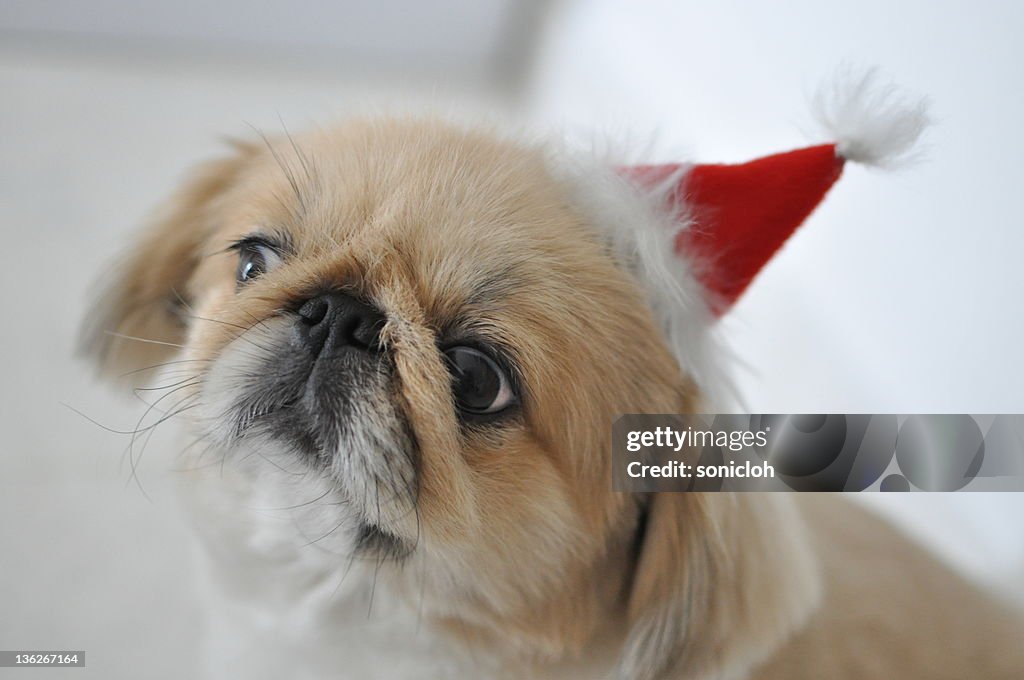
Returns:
(744, 213)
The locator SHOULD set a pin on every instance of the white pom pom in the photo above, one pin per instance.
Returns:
(872, 123)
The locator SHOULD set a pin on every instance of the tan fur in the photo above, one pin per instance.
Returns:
(890, 610)
(525, 551)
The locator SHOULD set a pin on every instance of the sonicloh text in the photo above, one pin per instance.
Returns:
(678, 469)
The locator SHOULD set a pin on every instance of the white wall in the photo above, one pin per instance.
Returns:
(468, 37)
(901, 294)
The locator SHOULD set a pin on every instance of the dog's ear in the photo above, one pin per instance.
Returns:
(719, 584)
(139, 317)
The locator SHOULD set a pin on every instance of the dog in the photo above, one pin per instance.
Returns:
(399, 345)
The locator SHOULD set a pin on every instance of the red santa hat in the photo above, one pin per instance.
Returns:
(740, 215)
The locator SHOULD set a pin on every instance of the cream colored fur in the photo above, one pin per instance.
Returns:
(524, 562)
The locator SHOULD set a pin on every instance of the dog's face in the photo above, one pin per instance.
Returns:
(422, 320)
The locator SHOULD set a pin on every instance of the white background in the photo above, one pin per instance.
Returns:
(899, 295)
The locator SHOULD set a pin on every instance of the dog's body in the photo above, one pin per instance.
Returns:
(403, 344)
(280, 607)
(892, 610)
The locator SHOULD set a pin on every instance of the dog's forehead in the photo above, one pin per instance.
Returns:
(468, 217)
(423, 178)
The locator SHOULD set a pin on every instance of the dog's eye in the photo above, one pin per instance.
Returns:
(479, 384)
(255, 257)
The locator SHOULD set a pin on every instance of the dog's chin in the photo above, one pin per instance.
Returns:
(327, 422)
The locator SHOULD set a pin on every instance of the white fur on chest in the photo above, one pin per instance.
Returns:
(285, 599)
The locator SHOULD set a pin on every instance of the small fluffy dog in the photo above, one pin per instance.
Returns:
(400, 345)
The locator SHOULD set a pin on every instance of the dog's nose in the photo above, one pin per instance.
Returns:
(333, 321)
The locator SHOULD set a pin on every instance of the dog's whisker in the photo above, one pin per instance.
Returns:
(241, 335)
(149, 436)
(191, 378)
(302, 505)
(177, 409)
(150, 341)
(166, 415)
(327, 534)
(162, 365)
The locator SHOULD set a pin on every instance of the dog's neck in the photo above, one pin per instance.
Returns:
(280, 592)
(276, 595)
